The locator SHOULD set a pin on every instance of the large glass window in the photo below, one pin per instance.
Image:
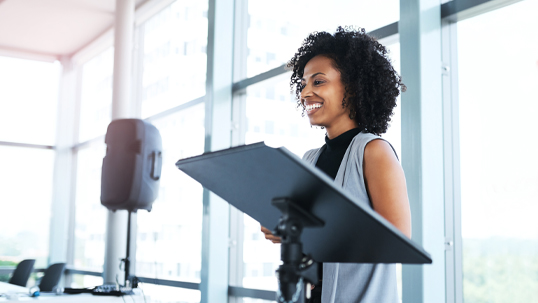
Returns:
(96, 96)
(169, 237)
(26, 188)
(90, 218)
(174, 64)
(277, 28)
(95, 115)
(272, 117)
(498, 76)
(28, 100)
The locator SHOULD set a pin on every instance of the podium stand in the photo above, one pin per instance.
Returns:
(312, 215)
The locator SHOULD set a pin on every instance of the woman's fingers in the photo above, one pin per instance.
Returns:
(269, 235)
(272, 238)
(265, 230)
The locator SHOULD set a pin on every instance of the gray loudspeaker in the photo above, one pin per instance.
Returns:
(132, 165)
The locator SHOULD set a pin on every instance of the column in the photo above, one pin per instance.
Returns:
(422, 144)
(122, 107)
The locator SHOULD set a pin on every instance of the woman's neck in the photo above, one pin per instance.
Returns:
(340, 128)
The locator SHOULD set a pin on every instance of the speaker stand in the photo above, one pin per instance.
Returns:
(130, 282)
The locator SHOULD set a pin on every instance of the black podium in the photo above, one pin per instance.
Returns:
(311, 214)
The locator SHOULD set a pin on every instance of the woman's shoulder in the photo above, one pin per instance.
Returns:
(373, 143)
(365, 137)
(359, 142)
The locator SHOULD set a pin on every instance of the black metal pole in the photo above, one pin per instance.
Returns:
(296, 270)
(127, 261)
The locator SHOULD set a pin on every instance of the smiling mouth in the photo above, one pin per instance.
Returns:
(311, 107)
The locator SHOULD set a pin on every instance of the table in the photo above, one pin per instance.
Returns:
(20, 294)
(10, 288)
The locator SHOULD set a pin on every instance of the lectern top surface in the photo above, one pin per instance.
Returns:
(249, 177)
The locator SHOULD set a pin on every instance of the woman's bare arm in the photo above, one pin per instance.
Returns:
(385, 182)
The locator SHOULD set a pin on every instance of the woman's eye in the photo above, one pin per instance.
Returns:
(317, 82)
(301, 87)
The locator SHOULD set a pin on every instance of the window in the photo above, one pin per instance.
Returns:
(169, 237)
(174, 63)
(277, 122)
(96, 96)
(26, 204)
(28, 106)
(28, 100)
(95, 115)
(277, 28)
(498, 76)
(90, 218)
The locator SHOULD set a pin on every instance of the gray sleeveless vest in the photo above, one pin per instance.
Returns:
(351, 282)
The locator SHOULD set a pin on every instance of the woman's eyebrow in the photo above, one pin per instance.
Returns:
(302, 79)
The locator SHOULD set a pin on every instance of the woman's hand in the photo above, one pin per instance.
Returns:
(269, 235)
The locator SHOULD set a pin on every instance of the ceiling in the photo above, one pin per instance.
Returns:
(53, 27)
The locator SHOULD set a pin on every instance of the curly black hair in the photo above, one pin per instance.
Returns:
(371, 83)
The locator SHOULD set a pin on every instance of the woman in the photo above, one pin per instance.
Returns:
(346, 84)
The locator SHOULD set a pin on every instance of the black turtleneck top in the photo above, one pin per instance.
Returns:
(332, 152)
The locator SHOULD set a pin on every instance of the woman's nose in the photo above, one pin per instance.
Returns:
(306, 92)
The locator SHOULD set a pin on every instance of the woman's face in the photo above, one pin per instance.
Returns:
(322, 96)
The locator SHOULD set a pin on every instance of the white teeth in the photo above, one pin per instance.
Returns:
(313, 106)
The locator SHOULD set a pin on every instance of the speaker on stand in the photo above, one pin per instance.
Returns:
(131, 171)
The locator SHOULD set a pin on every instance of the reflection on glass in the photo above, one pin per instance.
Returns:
(174, 66)
(96, 96)
(28, 100)
(26, 188)
(90, 218)
(499, 167)
(169, 237)
(277, 28)
(167, 294)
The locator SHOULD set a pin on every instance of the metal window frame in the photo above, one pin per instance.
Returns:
(26, 145)
(453, 240)
(218, 108)
(241, 292)
(380, 33)
(239, 126)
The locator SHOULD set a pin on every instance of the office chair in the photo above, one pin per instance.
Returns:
(22, 272)
(52, 277)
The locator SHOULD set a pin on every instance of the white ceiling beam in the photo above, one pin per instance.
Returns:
(94, 47)
(28, 55)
